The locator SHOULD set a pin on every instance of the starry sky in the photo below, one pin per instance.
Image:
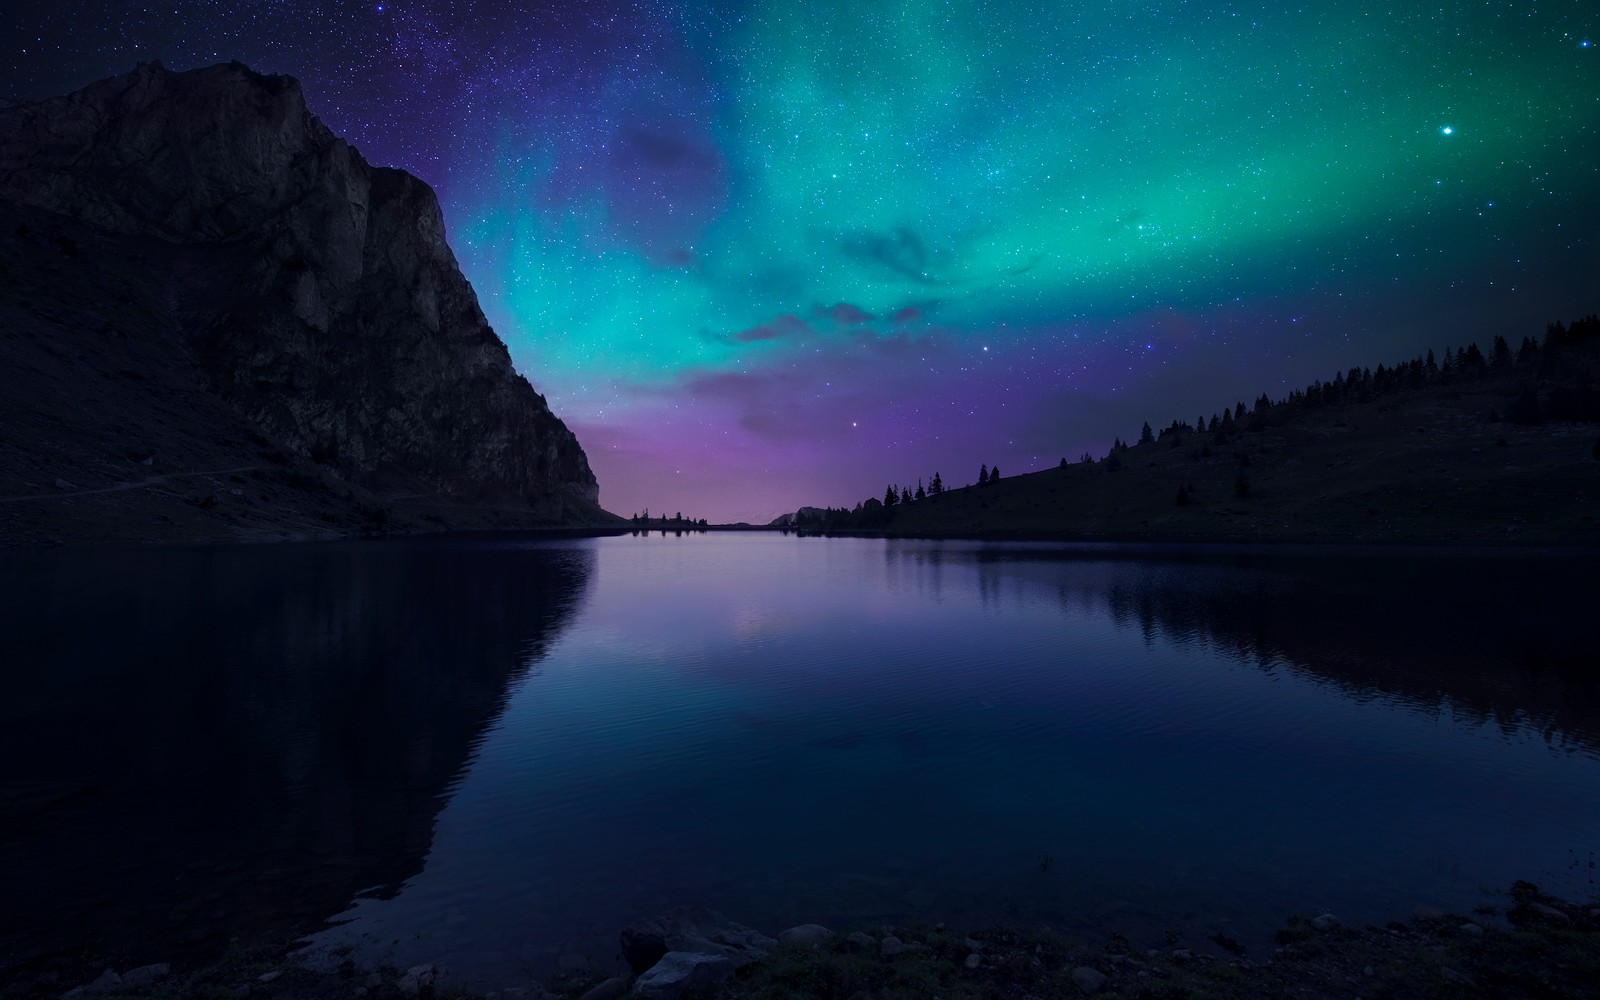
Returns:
(760, 255)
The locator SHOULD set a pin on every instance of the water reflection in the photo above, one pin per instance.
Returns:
(1501, 638)
(839, 730)
(201, 743)
(852, 731)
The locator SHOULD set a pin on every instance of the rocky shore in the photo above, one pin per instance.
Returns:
(1533, 946)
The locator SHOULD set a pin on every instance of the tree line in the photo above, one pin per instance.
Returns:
(1555, 377)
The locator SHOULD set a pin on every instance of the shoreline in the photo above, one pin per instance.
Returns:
(1137, 543)
(1533, 944)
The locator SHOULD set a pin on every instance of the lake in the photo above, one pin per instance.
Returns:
(493, 753)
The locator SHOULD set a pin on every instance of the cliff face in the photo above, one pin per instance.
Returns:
(315, 293)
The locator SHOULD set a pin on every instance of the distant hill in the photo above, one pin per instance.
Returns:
(801, 516)
(1497, 445)
(220, 321)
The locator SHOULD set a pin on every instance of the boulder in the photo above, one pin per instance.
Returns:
(1549, 911)
(680, 972)
(144, 975)
(810, 935)
(692, 930)
(1326, 922)
(1090, 981)
(416, 978)
(611, 989)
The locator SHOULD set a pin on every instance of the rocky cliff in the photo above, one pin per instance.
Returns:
(236, 259)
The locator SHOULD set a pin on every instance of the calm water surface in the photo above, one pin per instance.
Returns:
(493, 754)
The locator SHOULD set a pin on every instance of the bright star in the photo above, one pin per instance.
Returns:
(1447, 130)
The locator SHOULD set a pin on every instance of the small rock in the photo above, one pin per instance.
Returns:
(611, 989)
(974, 960)
(1088, 980)
(359, 991)
(810, 935)
(1326, 922)
(1472, 930)
(1182, 954)
(416, 978)
(691, 930)
(267, 977)
(144, 975)
(1369, 971)
(860, 940)
(107, 980)
(892, 946)
(149, 461)
(1452, 976)
(681, 972)
(62, 484)
(1551, 912)
(973, 944)
(1426, 914)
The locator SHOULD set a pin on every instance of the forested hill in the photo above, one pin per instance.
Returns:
(1496, 444)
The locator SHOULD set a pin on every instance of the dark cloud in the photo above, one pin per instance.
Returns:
(777, 329)
(900, 250)
(654, 147)
(843, 314)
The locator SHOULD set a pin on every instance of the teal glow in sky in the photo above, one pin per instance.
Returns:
(761, 256)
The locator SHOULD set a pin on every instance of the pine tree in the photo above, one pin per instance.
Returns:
(891, 497)
(1146, 436)
(937, 485)
(983, 476)
(921, 495)
(994, 474)
(1501, 356)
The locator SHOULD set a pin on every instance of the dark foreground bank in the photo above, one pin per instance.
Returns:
(1534, 946)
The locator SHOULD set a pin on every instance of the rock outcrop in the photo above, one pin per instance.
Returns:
(314, 293)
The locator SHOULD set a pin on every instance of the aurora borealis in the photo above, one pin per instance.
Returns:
(765, 255)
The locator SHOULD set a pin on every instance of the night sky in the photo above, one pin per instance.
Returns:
(765, 255)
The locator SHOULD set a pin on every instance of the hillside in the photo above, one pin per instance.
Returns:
(1487, 447)
(218, 321)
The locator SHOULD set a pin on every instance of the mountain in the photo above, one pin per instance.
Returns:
(801, 516)
(1489, 446)
(220, 321)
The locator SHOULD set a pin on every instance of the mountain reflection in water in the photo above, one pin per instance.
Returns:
(202, 743)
